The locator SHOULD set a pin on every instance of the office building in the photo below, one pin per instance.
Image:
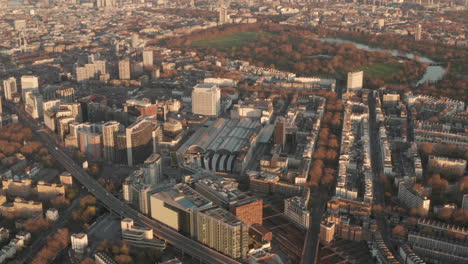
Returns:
(225, 193)
(222, 231)
(124, 69)
(10, 88)
(110, 130)
(139, 139)
(137, 191)
(355, 80)
(33, 104)
(177, 206)
(418, 33)
(206, 100)
(29, 83)
(147, 58)
(79, 242)
(295, 208)
(153, 169)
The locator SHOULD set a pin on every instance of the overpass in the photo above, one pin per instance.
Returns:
(170, 236)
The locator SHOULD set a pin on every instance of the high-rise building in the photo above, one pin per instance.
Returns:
(92, 70)
(79, 242)
(222, 231)
(152, 168)
(139, 141)
(110, 130)
(206, 100)
(10, 88)
(105, 3)
(355, 80)
(90, 142)
(124, 69)
(280, 132)
(33, 104)
(223, 15)
(147, 58)
(29, 83)
(418, 33)
(176, 207)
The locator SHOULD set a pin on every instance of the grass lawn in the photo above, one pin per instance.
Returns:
(236, 39)
(380, 69)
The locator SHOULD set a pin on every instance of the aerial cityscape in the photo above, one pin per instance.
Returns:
(233, 131)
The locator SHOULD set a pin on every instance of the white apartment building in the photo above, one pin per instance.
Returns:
(79, 242)
(206, 100)
(29, 83)
(355, 80)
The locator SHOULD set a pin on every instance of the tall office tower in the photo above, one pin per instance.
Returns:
(139, 141)
(10, 88)
(33, 104)
(147, 58)
(81, 74)
(29, 83)
(110, 130)
(206, 100)
(280, 132)
(135, 40)
(100, 66)
(355, 80)
(418, 34)
(222, 231)
(152, 168)
(223, 15)
(67, 95)
(124, 69)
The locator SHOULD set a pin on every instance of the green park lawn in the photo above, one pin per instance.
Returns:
(231, 40)
(380, 69)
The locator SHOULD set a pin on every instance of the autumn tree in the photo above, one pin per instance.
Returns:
(399, 230)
